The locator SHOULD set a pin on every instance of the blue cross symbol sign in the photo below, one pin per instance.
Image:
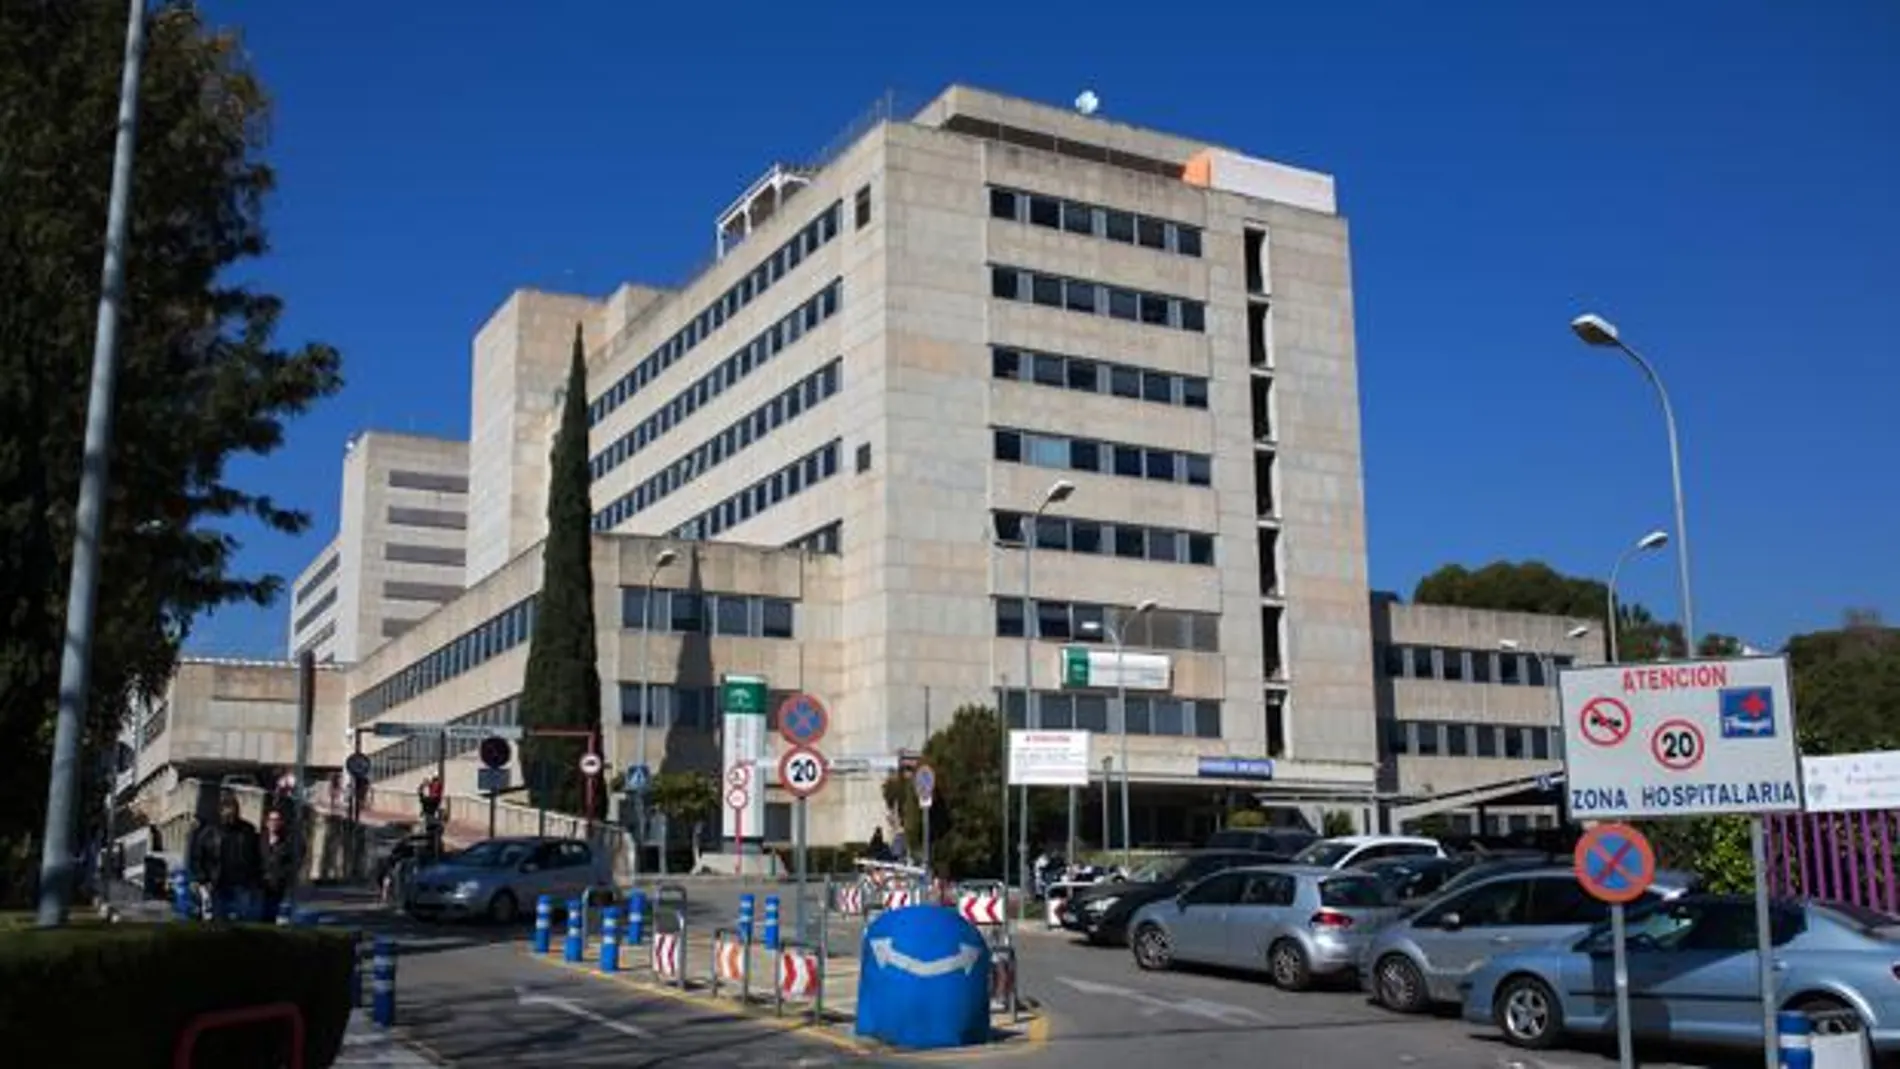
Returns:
(802, 720)
(637, 779)
(1615, 863)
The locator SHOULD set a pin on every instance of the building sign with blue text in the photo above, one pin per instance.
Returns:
(1236, 768)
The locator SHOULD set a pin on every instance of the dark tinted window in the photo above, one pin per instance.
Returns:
(1505, 902)
(1002, 204)
(1352, 892)
(1267, 889)
(1220, 890)
(1564, 901)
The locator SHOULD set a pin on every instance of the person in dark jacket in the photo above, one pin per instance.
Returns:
(227, 863)
(279, 863)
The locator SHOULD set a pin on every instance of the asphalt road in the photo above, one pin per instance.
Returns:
(1106, 1014)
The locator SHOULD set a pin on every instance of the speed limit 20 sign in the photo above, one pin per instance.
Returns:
(802, 771)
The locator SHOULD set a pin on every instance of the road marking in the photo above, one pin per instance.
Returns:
(889, 957)
(575, 1009)
(1196, 1007)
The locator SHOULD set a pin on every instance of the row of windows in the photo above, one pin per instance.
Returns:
(742, 433)
(828, 539)
(454, 556)
(1063, 711)
(1434, 738)
(1097, 298)
(428, 480)
(1098, 376)
(323, 635)
(434, 593)
(808, 240)
(304, 620)
(1077, 621)
(1126, 540)
(696, 708)
(749, 357)
(1509, 667)
(1108, 458)
(690, 612)
(419, 751)
(441, 519)
(801, 474)
(1076, 217)
(500, 633)
(316, 579)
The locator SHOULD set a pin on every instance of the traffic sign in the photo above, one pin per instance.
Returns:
(1615, 863)
(357, 765)
(737, 797)
(397, 729)
(925, 781)
(802, 720)
(738, 776)
(638, 779)
(491, 780)
(495, 751)
(802, 771)
(1681, 738)
(590, 764)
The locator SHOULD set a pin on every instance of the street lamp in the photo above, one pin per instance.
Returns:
(1058, 492)
(661, 560)
(1117, 633)
(1550, 668)
(1653, 540)
(1594, 330)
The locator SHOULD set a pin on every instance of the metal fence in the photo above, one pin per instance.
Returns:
(1836, 857)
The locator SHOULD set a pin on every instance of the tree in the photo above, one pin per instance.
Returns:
(1536, 587)
(686, 798)
(562, 688)
(200, 379)
(966, 823)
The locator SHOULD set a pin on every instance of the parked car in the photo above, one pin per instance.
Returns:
(1294, 922)
(1486, 865)
(500, 878)
(1345, 851)
(1414, 879)
(1280, 842)
(1101, 912)
(1420, 959)
(1694, 975)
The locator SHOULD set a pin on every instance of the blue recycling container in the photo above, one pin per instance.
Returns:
(636, 916)
(747, 902)
(383, 982)
(771, 922)
(924, 980)
(610, 940)
(572, 950)
(543, 924)
(183, 908)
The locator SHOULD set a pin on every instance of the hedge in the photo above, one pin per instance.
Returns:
(120, 996)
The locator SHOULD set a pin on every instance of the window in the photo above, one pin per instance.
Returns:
(1078, 218)
(864, 457)
(1123, 304)
(1046, 290)
(861, 207)
(1080, 296)
(687, 612)
(1499, 904)
(432, 481)
(1564, 901)
(1187, 240)
(1003, 283)
(1267, 889)
(1003, 204)
(775, 618)
(1193, 316)
(1120, 226)
(732, 616)
(1151, 233)
(1176, 630)
(1009, 446)
(436, 518)
(1009, 527)
(1085, 536)
(1193, 391)
(1045, 211)
(453, 556)
(1454, 665)
(1052, 619)
(1085, 455)
(1091, 712)
(1047, 370)
(1005, 364)
(1124, 381)
(1009, 617)
(1157, 387)
(1083, 375)
(1220, 889)
(1422, 663)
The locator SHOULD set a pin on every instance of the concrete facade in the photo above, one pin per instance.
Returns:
(223, 716)
(399, 552)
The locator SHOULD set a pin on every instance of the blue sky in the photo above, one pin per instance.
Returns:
(1718, 178)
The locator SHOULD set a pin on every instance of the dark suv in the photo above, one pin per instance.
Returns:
(1282, 841)
(1101, 912)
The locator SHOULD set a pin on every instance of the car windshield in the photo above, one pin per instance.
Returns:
(1158, 869)
(493, 854)
(1324, 854)
(1352, 892)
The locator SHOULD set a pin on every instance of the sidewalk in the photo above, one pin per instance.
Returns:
(365, 1046)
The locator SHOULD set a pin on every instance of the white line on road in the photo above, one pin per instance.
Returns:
(575, 1009)
(1213, 1011)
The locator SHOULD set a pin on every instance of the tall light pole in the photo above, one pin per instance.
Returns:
(1653, 540)
(1597, 331)
(1119, 633)
(82, 594)
(1057, 493)
(1511, 645)
(661, 560)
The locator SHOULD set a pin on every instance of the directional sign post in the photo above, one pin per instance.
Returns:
(1616, 864)
(924, 780)
(802, 771)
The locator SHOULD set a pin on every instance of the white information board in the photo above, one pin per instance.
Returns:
(1048, 758)
(1848, 782)
(1682, 738)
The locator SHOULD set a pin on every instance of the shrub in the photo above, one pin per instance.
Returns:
(121, 995)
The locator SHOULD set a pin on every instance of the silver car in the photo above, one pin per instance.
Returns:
(500, 879)
(1422, 958)
(1294, 922)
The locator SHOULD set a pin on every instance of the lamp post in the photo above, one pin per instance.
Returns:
(1117, 633)
(1108, 771)
(664, 558)
(1057, 493)
(1550, 670)
(1653, 540)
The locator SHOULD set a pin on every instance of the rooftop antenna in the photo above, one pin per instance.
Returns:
(1087, 102)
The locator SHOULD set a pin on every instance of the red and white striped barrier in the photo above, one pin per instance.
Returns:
(797, 975)
(666, 955)
(729, 961)
(851, 899)
(981, 907)
(897, 897)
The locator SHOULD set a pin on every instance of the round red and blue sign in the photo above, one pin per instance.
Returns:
(1615, 863)
(802, 720)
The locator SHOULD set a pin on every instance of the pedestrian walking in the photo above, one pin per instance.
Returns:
(227, 863)
(279, 869)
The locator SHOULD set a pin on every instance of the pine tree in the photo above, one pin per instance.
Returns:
(562, 689)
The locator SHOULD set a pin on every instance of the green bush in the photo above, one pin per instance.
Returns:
(121, 995)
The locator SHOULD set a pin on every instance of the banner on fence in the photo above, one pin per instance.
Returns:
(1851, 782)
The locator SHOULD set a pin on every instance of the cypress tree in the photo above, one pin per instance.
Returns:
(562, 689)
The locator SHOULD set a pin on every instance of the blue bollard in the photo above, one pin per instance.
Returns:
(543, 924)
(771, 922)
(636, 916)
(572, 951)
(383, 983)
(610, 940)
(1795, 1044)
(283, 913)
(746, 903)
(182, 905)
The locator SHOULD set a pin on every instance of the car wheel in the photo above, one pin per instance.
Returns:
(1836, 1010)
(1152, 948)
(1399, 985)
(1287, 964)
(502, 909)
(1527, 1013)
